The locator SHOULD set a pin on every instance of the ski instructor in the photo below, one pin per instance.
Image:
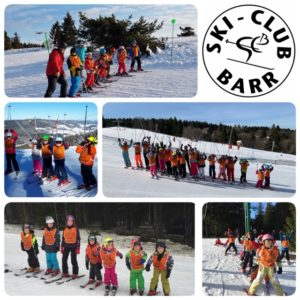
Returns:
(55, 71)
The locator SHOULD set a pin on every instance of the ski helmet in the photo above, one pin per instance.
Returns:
(49, 220)
(8, 134)
(267, 236)
(260, 237)
(89, 54)
(27, 226)
(58, 139)
(107, 240)
(133, 42)
(135, 242)
(73, 50)
(102, 51)
(92, 139)
(62, 45)
(33, 141)
(121, 48)
(70, 217)
(174, 153)
(92, 237)
(160, 244)
(45, 137)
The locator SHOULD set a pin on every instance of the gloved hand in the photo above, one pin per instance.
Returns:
(142, 261)
(77, 251)
(279, 270)
(87, 264)
(128, 266)
(62, 249)
(147, 268)
(168, 273)
(121, 256)
(43, 247)
(100, 266)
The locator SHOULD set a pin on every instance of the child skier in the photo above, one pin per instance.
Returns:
(146, 148)
(201, 165)
(75, 66)
(267, 255)
(47, 150)
(70, 244)
(230, 168)
(244, 167)
(185, 153)
(87, 151)
(93, 260)
(51, 244)
(137, 155)
(161, 160)
(151, 156)
(182, 164)
(163, 263)
(102, 66)
(59, 149)
(212, 166)
(10, 139)
(108, 254)
(194, 163)
(248, 253)
(135, 55)
(168, 157)
(30, 245)
(122, 56)
(285, 245)
(267, 172)
(125, 147)
(231, 243)
(222, 167)
(36, 155)
(174, 164)
(89, 66)
(135, 260)
(260, 178)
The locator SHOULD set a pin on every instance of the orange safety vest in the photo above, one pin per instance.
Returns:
(108, 258)
(59, 152)
(75, 61)
(222, 162)
(70, 235)
(248, 245)
(260, 175)
(137, 149)
(125, 147)
(244, 166)
(87, 154)
(168, 155)
(122, 57)
(135, 260)
(267, 173)
(49, 236)
(194, 156)
(212, 161)
(174, 161)
(160, 265)
(89, 64)
(27, 240)
(46, 151)
(152, 160)
(9, 144)
(285, 243)
(231, 164)
(90, 253)
(231, 239)
(268, 256)
(182, 160)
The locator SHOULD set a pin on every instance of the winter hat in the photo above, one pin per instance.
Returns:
(73, 51)
(70, 217)
(45, 137)
(160, 244)
(267, 237)
(49, 220)
(135, 242)
(27, 226)
(121, 48)
(133, 42)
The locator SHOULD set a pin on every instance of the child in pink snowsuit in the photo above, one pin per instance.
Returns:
(161, 160)
(108, 255)
(152, 163)
(36, 155)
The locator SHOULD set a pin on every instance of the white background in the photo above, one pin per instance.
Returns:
(208, 91)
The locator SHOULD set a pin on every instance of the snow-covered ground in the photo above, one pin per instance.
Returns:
(222, 274)
(25, 74)
(120, 182)
(181, 279)
(20, 187)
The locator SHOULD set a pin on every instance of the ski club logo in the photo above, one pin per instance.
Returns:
(248, 51)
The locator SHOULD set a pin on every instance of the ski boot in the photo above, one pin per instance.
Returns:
(90, 89)
(7, 172)
(30, 270)
(152, 293)
(132, 70)
(55, 273)
(107, 290)
(48, 272)
(98, 282)
(36, 270)
(132, 292)
(65, 275)
(74, 276)
(114, 290)
(140, 69)
(118, 74)
(91, 281)
(141, 292)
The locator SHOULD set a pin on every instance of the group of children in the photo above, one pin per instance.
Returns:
(268, 257)
(97, 70)
(45, 150)
(175, 162)
(97, 257)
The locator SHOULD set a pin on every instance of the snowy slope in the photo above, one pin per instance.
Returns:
(120, 182)
(181, 279)
(20, 187)
(222, 275)
(25, 74)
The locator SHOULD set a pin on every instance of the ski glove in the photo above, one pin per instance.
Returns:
(142, 261)
(87, 265)
(279, 270)
(168, 273)
(147, 268)
(62, 249)
(77, 251)
(43, 247)
(128, 266)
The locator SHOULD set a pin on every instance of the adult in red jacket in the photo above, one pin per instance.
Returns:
(55, 71)
(10, 138)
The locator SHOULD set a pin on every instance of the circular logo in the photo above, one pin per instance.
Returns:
(248, 51)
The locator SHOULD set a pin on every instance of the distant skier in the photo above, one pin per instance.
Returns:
(36, 155)
(212, 166)
(161, 160)
(122, 56)
(152, 163)
(260, 178)
(59, 149)
(10, 139)
(222, 167)
(168, 158)
(146, 148)
(102, 66)
(75, 66)
(201, 165)
(182, 164)
(51, 245)
(87, 151)
(137, 155)
(135, 55)
(70, 245)
(249, 251)
(163, 263)
(55, 71)
(185, 153)
(267, 172)
(194, 162)
(174, 164)
(125, 147)
(230, 168)
(244, 167)
(135, 259)
(231, 243)
(30, 245)
(110, 59)
(89, 66)
(47, 151)
(285, 246)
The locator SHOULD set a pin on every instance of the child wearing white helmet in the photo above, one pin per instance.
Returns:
(10, 139)
(36, 155)
(122, 56)
(51, 245)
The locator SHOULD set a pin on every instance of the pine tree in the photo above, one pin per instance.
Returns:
(7, 41)
(290, 226)
(186, 31)
(69, 30)
(16, 42)
(56, 34)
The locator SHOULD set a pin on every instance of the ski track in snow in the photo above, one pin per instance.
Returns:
(25, 74)
(120, 182)
(222, 274)
(181, 279)
(21, 188)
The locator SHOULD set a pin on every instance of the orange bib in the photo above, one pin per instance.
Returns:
(27, 241)
(268, 256)
(59, 152)
(108, 258)
(90, 253)
(70, 235)
(49, 236)
(161, 265)
(135, 260)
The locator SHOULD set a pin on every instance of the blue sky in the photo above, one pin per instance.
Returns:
(73, 111)
(260, 114)
(27, 19)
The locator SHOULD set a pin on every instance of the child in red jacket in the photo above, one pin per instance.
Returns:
(10, 139)
(89, 66)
